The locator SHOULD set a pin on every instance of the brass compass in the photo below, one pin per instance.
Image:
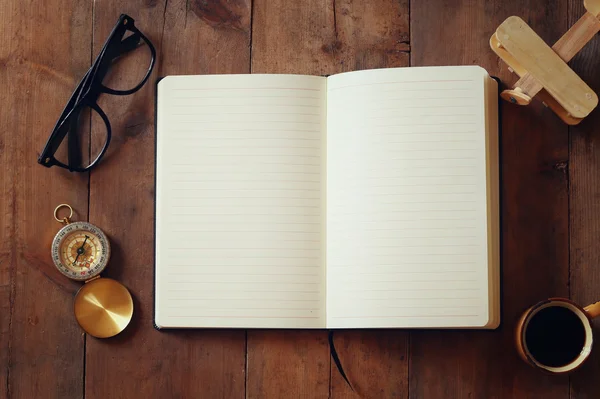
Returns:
(103, 307)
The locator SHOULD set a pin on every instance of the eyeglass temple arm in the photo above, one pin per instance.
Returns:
(58, 134)
(74, 153)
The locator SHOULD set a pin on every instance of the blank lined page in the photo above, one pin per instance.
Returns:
(407, 229)
(239, 194)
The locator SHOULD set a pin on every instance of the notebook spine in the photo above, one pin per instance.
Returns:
(156, 327)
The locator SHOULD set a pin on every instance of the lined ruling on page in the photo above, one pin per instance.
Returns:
(406, 206)
(240, 202)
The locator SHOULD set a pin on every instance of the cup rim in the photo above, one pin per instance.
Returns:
(589, 334)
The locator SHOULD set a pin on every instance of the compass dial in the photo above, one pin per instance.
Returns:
(80, 250)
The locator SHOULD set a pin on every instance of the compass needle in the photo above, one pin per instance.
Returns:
(80, 250)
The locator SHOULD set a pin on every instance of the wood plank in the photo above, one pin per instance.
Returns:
(41, 345)
(199, 37)
(375, 362)
(534, 215)
(287, 364)
(584, 183)
(318, 38)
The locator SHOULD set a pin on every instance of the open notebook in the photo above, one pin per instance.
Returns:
(363, 200)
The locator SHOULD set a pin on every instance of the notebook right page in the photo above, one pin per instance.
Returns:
(407, 209)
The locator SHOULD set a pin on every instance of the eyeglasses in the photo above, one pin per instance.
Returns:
(124, 38)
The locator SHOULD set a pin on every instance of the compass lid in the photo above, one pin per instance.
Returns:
(103, 307)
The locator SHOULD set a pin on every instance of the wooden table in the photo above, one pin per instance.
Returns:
(550, 202)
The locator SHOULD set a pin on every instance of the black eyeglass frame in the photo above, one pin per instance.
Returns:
(87, 92)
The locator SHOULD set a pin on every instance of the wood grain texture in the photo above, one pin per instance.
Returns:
(534, 145)
(287, 364)
(584, 178)
(320, 38)
(372, 34)
(192, 38)
(41, 345)
(375, 362)
(294, 37)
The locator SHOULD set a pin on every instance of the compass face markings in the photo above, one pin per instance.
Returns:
(80, 251)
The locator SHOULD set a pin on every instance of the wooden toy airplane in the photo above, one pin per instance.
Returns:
(543, 71)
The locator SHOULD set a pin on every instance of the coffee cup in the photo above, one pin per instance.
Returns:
(556, 335)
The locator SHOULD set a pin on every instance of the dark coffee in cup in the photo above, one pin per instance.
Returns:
(555, 336)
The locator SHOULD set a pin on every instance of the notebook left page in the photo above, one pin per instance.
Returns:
(240, 201)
